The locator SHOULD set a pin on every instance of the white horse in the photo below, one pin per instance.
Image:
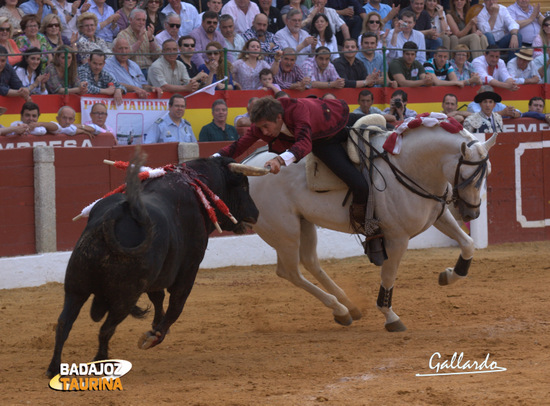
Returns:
(431, 160)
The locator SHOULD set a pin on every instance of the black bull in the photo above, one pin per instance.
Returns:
(149, 239)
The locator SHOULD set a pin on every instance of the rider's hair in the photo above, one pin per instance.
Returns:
(266, 108)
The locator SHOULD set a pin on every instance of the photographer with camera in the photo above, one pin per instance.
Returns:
(398, 107)
(403, 32)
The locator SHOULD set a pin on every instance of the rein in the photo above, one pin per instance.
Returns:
(481, 169)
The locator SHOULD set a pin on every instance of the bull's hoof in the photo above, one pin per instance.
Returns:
(148, 340)
(443, 280)
(395, 326)
(355, 313)
(343, 320)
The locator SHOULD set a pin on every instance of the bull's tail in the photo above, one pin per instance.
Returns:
(138, 312)
(137, 226)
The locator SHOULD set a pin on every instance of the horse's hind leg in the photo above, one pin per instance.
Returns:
(71, 308)
(310, 260)
(448, 226)
(395, 250)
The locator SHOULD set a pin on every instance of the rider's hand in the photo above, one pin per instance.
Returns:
(275, 164)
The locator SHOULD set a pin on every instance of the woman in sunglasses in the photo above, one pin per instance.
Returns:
(13, 13)
(51, 29)
(214, 67)
(373, 23)
(152, 8)
(29, 71)
(125, 7)
(6, 32)
(543, 38)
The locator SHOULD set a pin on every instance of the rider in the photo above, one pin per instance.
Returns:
(295, 127)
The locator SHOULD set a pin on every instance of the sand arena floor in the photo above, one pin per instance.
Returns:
(247, 337)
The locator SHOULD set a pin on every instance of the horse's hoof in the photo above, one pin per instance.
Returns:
(443, 280)
(355, 313)
(148, 340)
(343, 320)
(395, 326)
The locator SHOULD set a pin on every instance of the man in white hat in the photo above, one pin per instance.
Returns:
(522, 68)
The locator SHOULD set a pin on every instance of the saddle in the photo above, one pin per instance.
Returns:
(320, 178)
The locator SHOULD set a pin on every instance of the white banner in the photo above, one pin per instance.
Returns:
(128, 121)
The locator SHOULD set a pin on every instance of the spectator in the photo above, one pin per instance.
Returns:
(6, 32)
(542, 39)
(404, 32)
(274, 18)
(536, 110)
(15, 130)
(64, 124)
(189, 15)
(29, 72)
(56, 82)
(66, 12)
(51, 29)
(168, 73)
(336, 22)
(522, 68)
(352, 13)
(30, 24)
(365, 99)
(98, 123)
(233, 42)
(172, 25)
(290, 76)
(464, 70)
(352, 69)
(384, 11)
(485, 121)
(172, 127)
(373, 60)
(450, 108)
(250, 63)
(492, 70)
(500, 108)
(281, 94)
(204, 34)
(398, 107)
(266, 81)
(296, 5)
(465, 33)
(267, 39)
(499, 27)
(39, 7)
(543, 69)
(14, 14)
(441, 70)
(107, 20)
(215, 6)
(243, 120)
(529, 19)
(124, 10)
(10, 85)
(407, 71)
(214, 68)
(152, 8)
(127, 72)
(322, 72)
(98, 80)
(437, 23)
(141, 39)
(218, 129)
(88, 40)
(321, 30)
(294, 37)
(29, 118)
(372, 24)
(243, 13)
(186, 44)
(423, 24)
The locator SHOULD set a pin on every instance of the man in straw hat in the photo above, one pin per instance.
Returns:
(522, 68)
(486, 120)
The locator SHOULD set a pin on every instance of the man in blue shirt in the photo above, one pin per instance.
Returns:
(172, 127)
(10, 85)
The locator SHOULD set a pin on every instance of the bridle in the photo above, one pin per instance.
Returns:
(481, 169)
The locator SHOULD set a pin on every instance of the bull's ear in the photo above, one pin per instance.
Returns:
(248, 170)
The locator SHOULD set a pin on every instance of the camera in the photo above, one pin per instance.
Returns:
(398, 103)
(403, 24)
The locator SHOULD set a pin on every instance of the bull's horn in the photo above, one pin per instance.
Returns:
(490, 142)
(248, 170)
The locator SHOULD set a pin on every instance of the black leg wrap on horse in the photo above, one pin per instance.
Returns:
(462, 266)
(384, 297)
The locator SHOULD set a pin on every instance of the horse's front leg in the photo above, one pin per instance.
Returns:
(395, 250)
(448, 226)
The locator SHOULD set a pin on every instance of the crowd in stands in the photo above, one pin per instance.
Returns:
(112, 47)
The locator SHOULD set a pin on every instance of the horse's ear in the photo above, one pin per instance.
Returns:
(466, 153)
(490, 142)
